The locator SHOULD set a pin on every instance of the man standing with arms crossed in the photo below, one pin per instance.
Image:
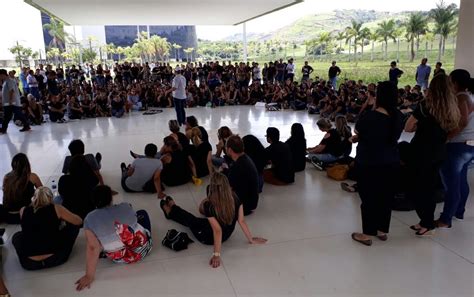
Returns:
(423, 72)
(11, 103)
(179, 95)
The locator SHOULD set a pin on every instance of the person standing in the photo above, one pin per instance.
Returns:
(423, 72)
(11, 103)
(431, 121)
(179, 95)
(460, 151)
(306, 70)
(394, 73)
(438, 69)
(377, 162)
(333, 73)
(290, 70)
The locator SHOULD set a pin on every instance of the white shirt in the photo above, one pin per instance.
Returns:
(290, 68)
(9, 85)
(32, 82)
(179, 82)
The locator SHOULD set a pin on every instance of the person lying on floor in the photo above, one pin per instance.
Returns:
(222, 209)
(120, 233)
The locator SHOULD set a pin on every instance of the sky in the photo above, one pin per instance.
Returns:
(285, 17)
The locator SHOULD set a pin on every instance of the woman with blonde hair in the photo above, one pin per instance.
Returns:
(431, 121)
(201, 154)
(222, 209)
(48, 232)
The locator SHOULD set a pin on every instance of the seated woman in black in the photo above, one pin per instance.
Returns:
(222, 209)
(192, 122)
(201, 154)
(330, 148)
(256, 151)
(222, 134)
(75, 109)
(43, 241)
(176, 163)
(344, 131)
(76, 187)
(297, 144)
(18, 189)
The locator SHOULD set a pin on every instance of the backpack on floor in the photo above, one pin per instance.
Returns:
(177, 241)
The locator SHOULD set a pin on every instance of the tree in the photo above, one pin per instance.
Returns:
(398, 34)
(176, 47)
(445, 23)
(54, 53)
(415, 26)
(373, 37)
(21, 53)
(110, 50)
(340, 36)
(56, 29)
(89, 55)
(188, 53)
(354, 32)
(429, 37)
(323, 40)
(364, 35)
(386, 31)
(160, 46)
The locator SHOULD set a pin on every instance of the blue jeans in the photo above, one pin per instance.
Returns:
(454, 174)
(333, 82)
(143, 219)
(180, 112)
(326, 158)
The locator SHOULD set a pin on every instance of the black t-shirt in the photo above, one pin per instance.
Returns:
(333, 144)
(393, 75)
(282, 162)
(334, 71)
(307, 70)
(378, 138)
(56, 105)
(298, 152)
(77, 193)
(199, 156)
(177, 172)
(117, 104)
(210, 212)
(429, 142)
(243, 178)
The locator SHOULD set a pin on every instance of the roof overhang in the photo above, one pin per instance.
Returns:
(159, 12)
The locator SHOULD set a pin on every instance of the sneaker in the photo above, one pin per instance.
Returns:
(24, 129)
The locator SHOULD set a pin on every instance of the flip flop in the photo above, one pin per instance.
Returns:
(164, 202)
(367, 242)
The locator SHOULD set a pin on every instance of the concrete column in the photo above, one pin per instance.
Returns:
(464, 57)
(244, 39)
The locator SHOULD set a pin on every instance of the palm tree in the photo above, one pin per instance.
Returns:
(373, 37)
(386, 30)
(176, 47)
(54, 53)
(340, 36)
(398, 33)
(110, 50)
(323, 40)
(354, 32)
(120, 52)
(429, 37)
(445, 23)
(364, 35)
(55, 29)
(188, 53)
(160, 46)
(415, 26)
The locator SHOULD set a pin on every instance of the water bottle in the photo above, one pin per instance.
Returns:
(54, 188)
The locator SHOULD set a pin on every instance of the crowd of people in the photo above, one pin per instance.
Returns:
(439, 113)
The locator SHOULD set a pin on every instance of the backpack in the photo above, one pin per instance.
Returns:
(177, 241)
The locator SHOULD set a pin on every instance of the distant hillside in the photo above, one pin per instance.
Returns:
(311, 26)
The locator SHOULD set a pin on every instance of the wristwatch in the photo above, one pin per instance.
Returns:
(213, 254)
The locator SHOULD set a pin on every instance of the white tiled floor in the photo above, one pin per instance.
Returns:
(308, 225)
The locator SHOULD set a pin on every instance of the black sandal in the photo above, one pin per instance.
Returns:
(366, 242)
(383, 237)
(415, 228)
(164, 202)
(426, 233)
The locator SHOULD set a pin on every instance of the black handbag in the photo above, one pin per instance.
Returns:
(177, 241)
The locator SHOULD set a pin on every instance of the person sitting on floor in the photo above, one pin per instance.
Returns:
(256, 151)
(222, 209)
(330, 148)
(111, 229)
(279, 155)
(75, 188)
(143, 175)
(18, 187)
(297, 144)
(177, 165)
(192, 122)
(201, 154)
(223, 133)
(44, 241)
(243, 175)
(77, 148)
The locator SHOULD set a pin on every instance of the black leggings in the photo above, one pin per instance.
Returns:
(67, 238)
(200, 227)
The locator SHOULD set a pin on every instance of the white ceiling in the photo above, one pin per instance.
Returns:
(159, 12)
